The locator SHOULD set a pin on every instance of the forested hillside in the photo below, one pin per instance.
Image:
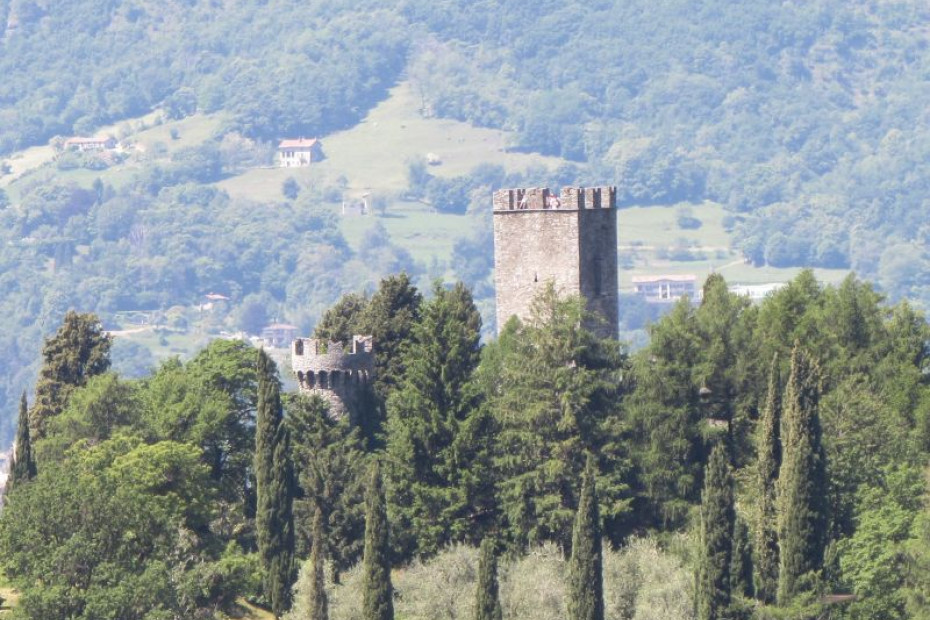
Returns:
(805, 120)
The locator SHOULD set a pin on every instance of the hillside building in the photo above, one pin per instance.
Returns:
(300, 152)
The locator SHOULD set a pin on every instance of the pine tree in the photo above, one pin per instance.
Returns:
(712, 598)
(23, 468)
(765, 534)
(79, 349)
(585, 571)
(436, 477)
(378, 603)
(801, 488)
(318, 606)
(274, 486)
(487, 603)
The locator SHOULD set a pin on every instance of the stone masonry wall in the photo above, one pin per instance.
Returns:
(570, 240)
(330, 371)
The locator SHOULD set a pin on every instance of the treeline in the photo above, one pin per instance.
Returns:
(789, 438)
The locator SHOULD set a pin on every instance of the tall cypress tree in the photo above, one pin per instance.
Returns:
(378, 603)
(712, 599)
(318, 606)
(23, 467)
(765, 534)
(802, 484)
(585, 571)
(488, 603)
(274, 486)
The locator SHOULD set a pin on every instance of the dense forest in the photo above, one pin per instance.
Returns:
(804, 119)
(775, 452)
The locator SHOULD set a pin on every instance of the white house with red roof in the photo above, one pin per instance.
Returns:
(299, 152)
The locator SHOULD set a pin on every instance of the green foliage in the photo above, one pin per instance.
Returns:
(79, 350)
(438, 443)
(765, 533)
(487, 597)
(801, 487)
(713, 592)
(342, 321)
(317, 604)
(274, 486)
(23, 466)
(874, 560)
(331, 467)
(378, 594)
(585, 569)
(553, 389)
(389, 317)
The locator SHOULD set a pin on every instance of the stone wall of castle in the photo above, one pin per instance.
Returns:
(337, 374)
(569, 239)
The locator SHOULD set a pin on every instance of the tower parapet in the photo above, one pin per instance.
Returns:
(568, 238)
(337, 373)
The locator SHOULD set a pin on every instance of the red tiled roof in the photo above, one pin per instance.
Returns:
(297, 144)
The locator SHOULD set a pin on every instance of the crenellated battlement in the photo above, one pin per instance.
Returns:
(542, 198)
(333, 371)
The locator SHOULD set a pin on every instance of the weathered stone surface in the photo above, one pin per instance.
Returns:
(334, 373)
(570, 239)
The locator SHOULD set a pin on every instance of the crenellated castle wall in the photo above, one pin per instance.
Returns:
(334, 372)
(569, 238)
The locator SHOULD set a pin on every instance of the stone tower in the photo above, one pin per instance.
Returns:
(338, 375)
(570, 239)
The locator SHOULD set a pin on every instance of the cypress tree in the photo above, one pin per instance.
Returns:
(23, 467)
(585, 571)
(801, 488)
(79, 350)
(741, 563)
(274, 486)
(765, 536)
(488, 604)
(712, 599)
(378, 601)
(318, 606)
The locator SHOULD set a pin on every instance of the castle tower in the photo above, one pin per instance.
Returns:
(570, 239)
(338, 375)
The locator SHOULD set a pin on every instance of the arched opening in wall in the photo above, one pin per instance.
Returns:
(298, 347)
(300, 377)
(324, 380)
(335, 379)
(311, 380)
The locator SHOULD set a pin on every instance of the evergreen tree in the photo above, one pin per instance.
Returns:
(389, 318)
(712, 598)
(585, 570)
(79, 349)
(342, 321)
(438, 476)
(741, 565)
(330, 463)
(765, 535)
(274, 482)
(554, 389)
(23, 467)
(317, 604)
(802, 485)
(487, 603)
(378, 603)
